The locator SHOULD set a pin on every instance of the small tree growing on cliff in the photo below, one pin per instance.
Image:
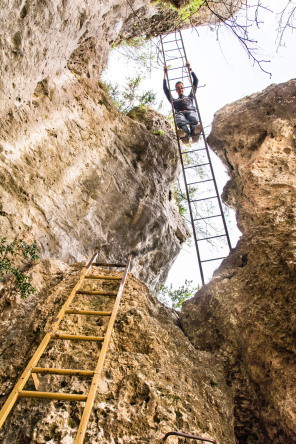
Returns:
(9, 252)
(130, 96)
(175, 298)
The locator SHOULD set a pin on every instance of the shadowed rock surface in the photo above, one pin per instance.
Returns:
(154, 380)
(246, 314)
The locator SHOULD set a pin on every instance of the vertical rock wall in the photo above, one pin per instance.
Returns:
(154, 381)
(75, 174)
(246, 314)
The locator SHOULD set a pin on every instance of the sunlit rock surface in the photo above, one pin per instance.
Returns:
(46, 40)
(87, 178)
(154, 381)
(75, 174)
(246, 314)
(78, 176)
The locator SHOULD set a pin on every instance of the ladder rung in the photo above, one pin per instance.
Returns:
(62, 371)
(195, 166)
(77, 337)
(175, 49)
(103, 293)
(175, 58)
(111, 278)
(103, 264)
(211, 237)
(50, 395)
(170, 41)
(208, 217)
(200, 181)
(215, 259)
(193, 151)
(205, 198)
(89, 312)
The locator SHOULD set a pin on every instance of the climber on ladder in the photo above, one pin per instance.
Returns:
(185, 111)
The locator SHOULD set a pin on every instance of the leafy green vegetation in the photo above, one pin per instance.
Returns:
(181, 198)
(157, 132)
(175, 298)
(9, 253)
(130, 96)
(184, 12)
(188, 10)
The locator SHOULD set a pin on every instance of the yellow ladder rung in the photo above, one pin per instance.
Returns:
(89, 312)
(103, 293)
(101, 264)
(77, 337)
(50, 395)
(111, 278)
(62, 371)
(32, 369)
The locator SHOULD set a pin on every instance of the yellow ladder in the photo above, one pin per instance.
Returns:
(32, 370)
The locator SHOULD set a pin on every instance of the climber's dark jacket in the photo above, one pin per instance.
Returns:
(182, 103)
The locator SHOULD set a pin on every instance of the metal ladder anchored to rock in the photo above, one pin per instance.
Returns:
(208, 222)
(33, 370)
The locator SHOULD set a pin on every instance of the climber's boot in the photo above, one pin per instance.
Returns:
(183, 136)
(196, 133)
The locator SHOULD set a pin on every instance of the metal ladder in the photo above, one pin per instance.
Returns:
(33, 370)
(210, 233)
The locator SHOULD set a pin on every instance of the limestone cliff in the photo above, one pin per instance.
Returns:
(75, 174)
(90, 178)
(154, 380)
(246, 314)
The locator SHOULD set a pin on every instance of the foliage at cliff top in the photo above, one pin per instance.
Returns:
(184, 11)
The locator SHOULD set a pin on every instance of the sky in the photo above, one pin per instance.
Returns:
(226, 74)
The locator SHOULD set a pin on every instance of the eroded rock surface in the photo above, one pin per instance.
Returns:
(78, 176)
(246, 314)
(41, 41)
(154, 381)
(75, 174)
(90, 178)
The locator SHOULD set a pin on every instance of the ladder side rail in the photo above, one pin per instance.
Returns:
(97, 373)
(38, 353)
(184, 175)
(208, 154)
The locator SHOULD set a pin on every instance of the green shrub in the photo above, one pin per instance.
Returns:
(176, 297)
(130, 96)
(157, 132)
(9, 252)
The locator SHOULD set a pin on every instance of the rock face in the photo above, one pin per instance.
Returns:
(45, 41)
(246, 314)
(75, 174)
(154, 381)
(95, 179)
(170, 15)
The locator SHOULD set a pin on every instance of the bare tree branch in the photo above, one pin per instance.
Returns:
(287, 18)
